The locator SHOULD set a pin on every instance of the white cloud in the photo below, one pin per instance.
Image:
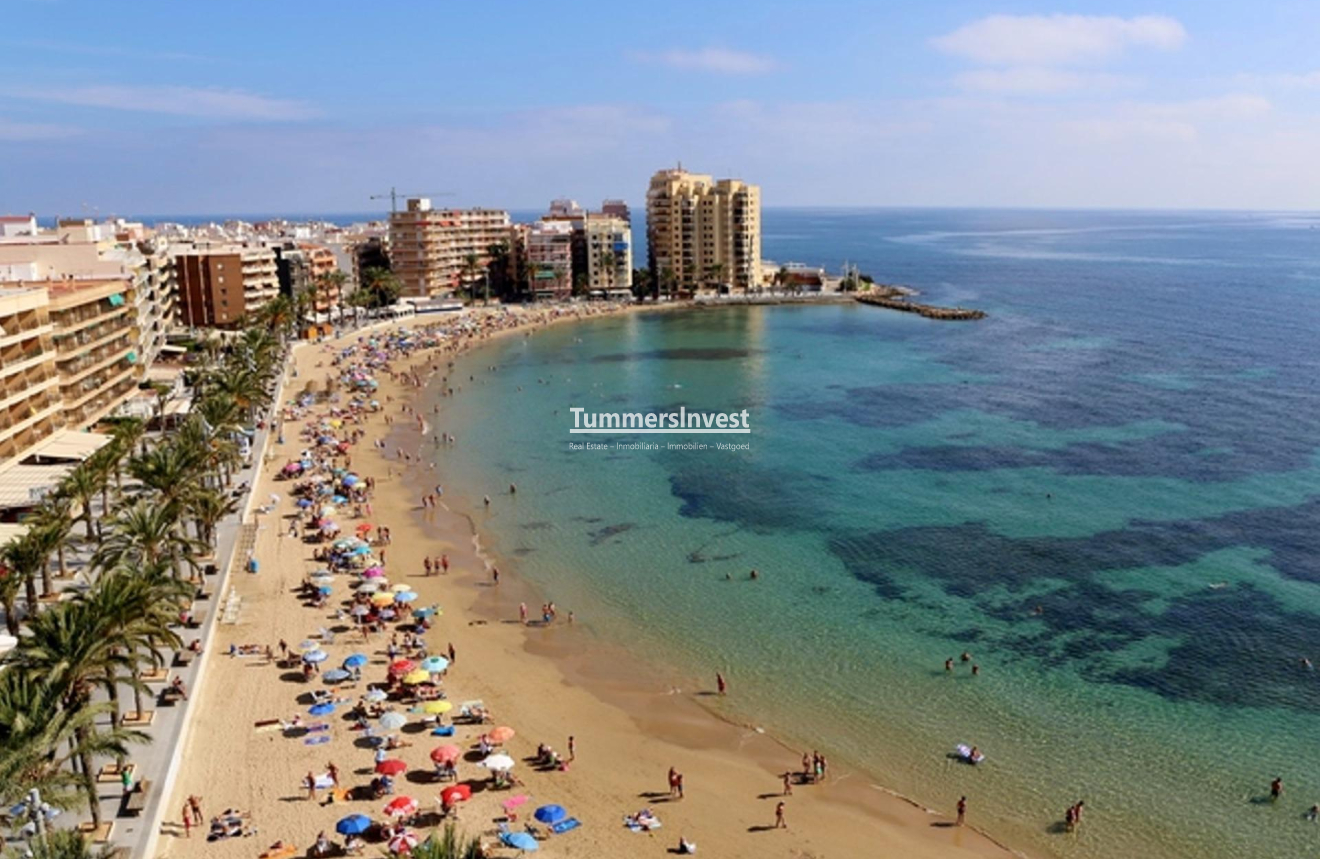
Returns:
(720, 60)
(1051, 40)
(1038, 81)
(24, 131)
(209, 103)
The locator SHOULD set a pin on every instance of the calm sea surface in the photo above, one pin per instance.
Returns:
(1108, 492)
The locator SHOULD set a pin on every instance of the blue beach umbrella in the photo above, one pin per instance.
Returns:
(520, 841)
(335, 675)
(424, 612)
(434, 664)
(338, 499)
(405, 596)
(551, 814)
(315, 656)
(351, 480)
(354, 824)
(356, 660)
(326, 590)
(322, 709)
(304, 503)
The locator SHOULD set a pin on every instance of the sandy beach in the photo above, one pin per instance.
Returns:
(547, 683)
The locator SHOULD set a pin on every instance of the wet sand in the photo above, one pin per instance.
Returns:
(547, 683)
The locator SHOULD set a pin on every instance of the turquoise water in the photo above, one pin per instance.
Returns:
(1107, 492)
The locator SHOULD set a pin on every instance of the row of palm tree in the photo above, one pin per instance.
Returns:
(160, 505)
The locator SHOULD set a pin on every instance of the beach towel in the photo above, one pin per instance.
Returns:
(567, 825)
(323, 781)
(316, 741)
(443, 731)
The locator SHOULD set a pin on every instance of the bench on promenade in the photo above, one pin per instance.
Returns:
(136, 799)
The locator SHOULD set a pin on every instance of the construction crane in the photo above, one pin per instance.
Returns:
(394, 196)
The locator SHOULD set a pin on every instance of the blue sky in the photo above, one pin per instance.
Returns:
(197, 107)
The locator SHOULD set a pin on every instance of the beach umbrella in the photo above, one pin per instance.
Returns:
(304, 503)
(434, 664)
(498, 762)
(400, 588)
(424, 612)
(338, 499)
(413, 678)
(322, 709)
(336, 675)
(356, 660)
(364, 527)
(404, 842)
(393, 766)
(445, 754)
(325, 590)
(351, 480)
(382, 599)
(401, 806)
(520, 841)
(387, 614)
(315, 656)
(329, 528)
(513, 802)
(360, 610)
(501, 734)
(322, 576)
(455, 793)
(402, 666)
(551, 814)
(372, 572)
(437, 708)
(405, 597)
(367, 588)
(393, 721)
(307, 644)
(376, 695)
(354, 824)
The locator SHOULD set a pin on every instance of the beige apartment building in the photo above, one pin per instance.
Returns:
(85, 249)
(549, 246)
(609, 254)
(219, 286)
(321, 261)
(703, 233)
(96, 346)
(430, 248)
(30, 401)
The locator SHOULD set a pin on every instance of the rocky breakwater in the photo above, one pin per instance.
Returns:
(898, 298)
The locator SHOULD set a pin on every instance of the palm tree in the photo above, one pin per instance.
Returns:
(607, 260)
(448, 844)
(137, 607)
(146, 534)
(125, 437)
(472, 265)
(68, 645)
(714, 272)
(380, 285)
(54, 523)
(209, 507)
(81, 485)
(24, 560)
(168, 469)
(39, 738)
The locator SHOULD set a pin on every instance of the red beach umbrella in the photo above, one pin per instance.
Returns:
(501, 734)
(393, 766)
(455, 793)
(401, 806)
(445, 754)
(402, 666)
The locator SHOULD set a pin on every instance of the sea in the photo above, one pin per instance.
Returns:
(1106, 493)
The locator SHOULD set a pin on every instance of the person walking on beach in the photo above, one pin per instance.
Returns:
(674, 781)
(572, 748)
(962, 810)
(522, 613)
(195, 803)
(444, 563)
(187, 820)
(1276, 788)
(948, 664)
(451, 653)
(720, 683)
(788, 784)
(780, 823)
(334, 773)
(495, 575)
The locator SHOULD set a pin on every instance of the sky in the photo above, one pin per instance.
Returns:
(257, 107)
